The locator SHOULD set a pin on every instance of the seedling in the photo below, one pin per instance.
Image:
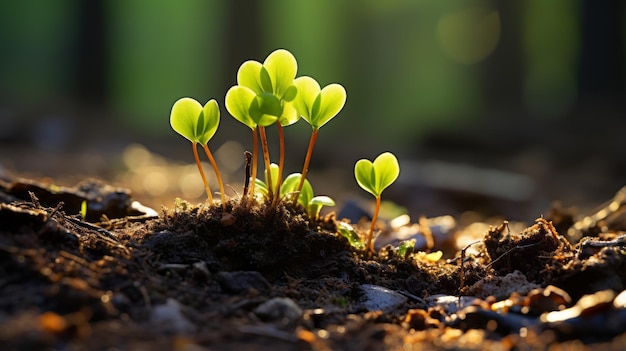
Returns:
(198, 124)
(312, 204)
(317, 106)
(262, 97)
(374, 177)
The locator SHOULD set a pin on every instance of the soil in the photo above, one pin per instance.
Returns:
(89, 268)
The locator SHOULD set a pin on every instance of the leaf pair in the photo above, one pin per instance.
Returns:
(318, 106)
(265, 91)
(198, 124)
(193, 121)
(375, 176)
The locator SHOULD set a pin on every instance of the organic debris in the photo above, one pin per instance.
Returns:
(181, 278)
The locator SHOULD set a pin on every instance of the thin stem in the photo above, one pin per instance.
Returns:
(255, 157)
(266, 158)
(246, 182)
(370, 242)
(217, 174)
(206, 184)
(281, 163)
(307, 160)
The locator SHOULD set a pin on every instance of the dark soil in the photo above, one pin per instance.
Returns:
(121, 276)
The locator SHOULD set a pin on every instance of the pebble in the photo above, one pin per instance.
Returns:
(242, 281)
(279, 309)
(377, 297)
(169, 317)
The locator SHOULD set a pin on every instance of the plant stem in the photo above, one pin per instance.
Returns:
(206, 184)
(370, 242)
(281, 163)
(307, 160)
(266, 158)
(246, 182)
(217, 174)
(255, 157)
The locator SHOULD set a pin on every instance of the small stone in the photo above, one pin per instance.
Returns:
(380, 298)
(281, 309)
(242, 281)
(169, 317)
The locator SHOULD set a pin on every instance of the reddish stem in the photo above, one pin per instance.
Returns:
(281, 163)
(266, 158)
(217, 174)
(307, 160)
(206, 184)
(370, 242)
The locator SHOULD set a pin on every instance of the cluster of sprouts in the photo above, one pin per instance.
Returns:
(269, 94)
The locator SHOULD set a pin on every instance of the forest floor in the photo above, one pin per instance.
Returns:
(88, 268)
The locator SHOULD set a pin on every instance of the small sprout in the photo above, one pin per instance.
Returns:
(406, 247)
(349, 233)
(374, 177)
(83, 209)
(263, 96)
(198, 124)
(312, 204)
(317, 106)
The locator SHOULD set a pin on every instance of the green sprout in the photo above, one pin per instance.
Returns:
(263, 96)
(198, 124)
(347, 231)
(317, 106)
(312, 204)
(374, 177)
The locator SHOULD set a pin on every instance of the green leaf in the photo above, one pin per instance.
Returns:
(238, 101)
(308, 90)
(315, 205)
(208, 121)
(318, 106)
(249, 76)
(260, 188)
(404, 247)
(374, 177)
(196, 123)
(184, 118)
(274, 172)
(349, 233)
(282, 67)
(332, 100)
(265, 109)
(290, 186)
(289, 116)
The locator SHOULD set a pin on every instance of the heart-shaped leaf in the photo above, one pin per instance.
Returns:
(318, 106)
(249, 76)
(196, 123)
(374, 177)
(265, 109)
(290, 185)
(238, 101)
(281, 67)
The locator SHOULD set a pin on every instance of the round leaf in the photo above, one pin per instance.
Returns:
(238, 101)
(365, 177)
(374, 177)
(184, 117)
(208, 121)
(289, 115)
(308, 90)
(249, 76)
(331, 100)
(387, 169)
(282, 67)
(265, 109)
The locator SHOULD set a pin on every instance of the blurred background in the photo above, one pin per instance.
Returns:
(496, 107)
